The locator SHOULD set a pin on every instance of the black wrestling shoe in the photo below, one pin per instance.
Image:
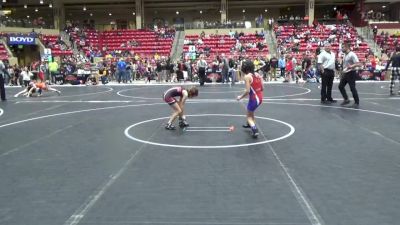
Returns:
(332, 101)
(246, 126)
(355, 105)
(183, 123)
(255, 133)
(170, 127)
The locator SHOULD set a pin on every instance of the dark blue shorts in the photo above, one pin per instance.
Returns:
(252, 105)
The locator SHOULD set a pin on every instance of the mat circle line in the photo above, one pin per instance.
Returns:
(109, 89)
(307, 90)
(290, 133)
(87, 94)
(1, 111)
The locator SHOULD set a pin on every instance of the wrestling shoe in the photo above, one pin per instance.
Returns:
(183, 123)
(255, 133)
(246, 125)
(170, 127)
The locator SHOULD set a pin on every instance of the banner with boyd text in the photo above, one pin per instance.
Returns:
(21, 40)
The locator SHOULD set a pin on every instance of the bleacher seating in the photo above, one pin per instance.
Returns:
(51, 41)
(3, 52)
(148, 42)
(224, 44)
(323, 34)
(387, 43)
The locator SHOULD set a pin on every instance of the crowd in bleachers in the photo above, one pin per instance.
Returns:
(304, 39)
(234, 44)
(387, 43)
(56, 44)
(3, 52)
(121, 43)
(297, 42)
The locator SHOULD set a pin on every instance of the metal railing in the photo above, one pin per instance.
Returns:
(24, 23)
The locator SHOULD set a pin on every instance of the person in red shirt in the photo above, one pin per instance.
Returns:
(289, 69)
(373, 63)
(254, 89)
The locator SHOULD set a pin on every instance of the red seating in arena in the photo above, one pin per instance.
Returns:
(141, 42)
(308, 39)
(387, 42)
(227, 44)
(58, 47)
(3, 52)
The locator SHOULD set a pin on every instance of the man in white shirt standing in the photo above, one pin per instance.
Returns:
(326, 65)
(201, 68)
(350, 64)
(26, 76)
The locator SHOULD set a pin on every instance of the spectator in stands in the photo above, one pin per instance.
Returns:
(310, 76)
(129, 72)
(224, 68)
(202, 34)
(103, 74)
(266, 66)
(188, 65)
(201, 68)
(274, 64)
(231, 34)
(282, 64)
(375, 32)
(236, 35)
(289, 68)
(384, 56)
(159, 70)
(232, 70)
(53, 68)
(9, 76)
(121, 71)
(181, 68)
(134, 69)
(26, 76)
(306, 63)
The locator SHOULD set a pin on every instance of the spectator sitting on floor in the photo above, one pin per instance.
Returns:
(310, 76)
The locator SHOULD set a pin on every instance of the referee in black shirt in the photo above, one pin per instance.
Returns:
(395, 61)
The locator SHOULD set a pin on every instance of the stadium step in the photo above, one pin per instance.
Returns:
(177, 46)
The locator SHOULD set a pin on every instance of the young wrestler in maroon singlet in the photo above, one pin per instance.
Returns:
(178, 106)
